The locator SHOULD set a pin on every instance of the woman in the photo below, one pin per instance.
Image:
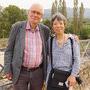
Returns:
(62, 53)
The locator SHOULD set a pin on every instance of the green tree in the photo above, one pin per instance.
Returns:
(64, 11)
(0, 9)
(75, 16)
(60, 5)
(9, 16)
(13, 14)
(23, 14)
(81, 18)
(47, 23)
(54, 7)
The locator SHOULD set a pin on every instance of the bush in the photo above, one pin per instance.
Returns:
(85, 34)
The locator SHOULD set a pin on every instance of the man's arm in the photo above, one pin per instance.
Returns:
(9, 52)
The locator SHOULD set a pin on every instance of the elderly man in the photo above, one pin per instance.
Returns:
(25, 55)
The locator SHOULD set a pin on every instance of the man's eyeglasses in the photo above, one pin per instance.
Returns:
(36, 12)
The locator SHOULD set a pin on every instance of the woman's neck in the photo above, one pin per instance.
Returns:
(60, 36)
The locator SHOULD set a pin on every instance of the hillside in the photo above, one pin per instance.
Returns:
(69, 13)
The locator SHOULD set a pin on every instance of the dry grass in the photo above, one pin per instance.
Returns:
(3, 42)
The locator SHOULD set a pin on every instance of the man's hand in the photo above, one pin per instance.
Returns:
(76, 37)
(8, 76)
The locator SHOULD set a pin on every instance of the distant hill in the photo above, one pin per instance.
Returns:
(69, 13)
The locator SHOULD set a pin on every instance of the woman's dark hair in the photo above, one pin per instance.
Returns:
(59, 17)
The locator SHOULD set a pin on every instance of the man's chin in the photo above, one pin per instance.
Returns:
(35, 23)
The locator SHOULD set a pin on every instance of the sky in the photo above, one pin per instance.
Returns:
(25, 4)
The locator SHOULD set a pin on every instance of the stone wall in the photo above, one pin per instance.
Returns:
(85, 75)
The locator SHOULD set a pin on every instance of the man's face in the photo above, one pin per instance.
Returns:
(35, 14)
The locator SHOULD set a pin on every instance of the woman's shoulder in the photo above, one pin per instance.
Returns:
(73, 37)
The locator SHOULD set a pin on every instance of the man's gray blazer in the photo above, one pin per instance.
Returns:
(13, 57)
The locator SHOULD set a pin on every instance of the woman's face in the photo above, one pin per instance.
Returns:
(58, 26)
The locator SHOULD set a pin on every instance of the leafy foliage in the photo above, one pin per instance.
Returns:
(9, 16)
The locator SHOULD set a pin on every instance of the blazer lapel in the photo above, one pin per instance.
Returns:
(42, 35)
(22, 37)
(43, 41)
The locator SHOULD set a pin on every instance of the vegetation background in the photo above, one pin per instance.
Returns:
(77, 23)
